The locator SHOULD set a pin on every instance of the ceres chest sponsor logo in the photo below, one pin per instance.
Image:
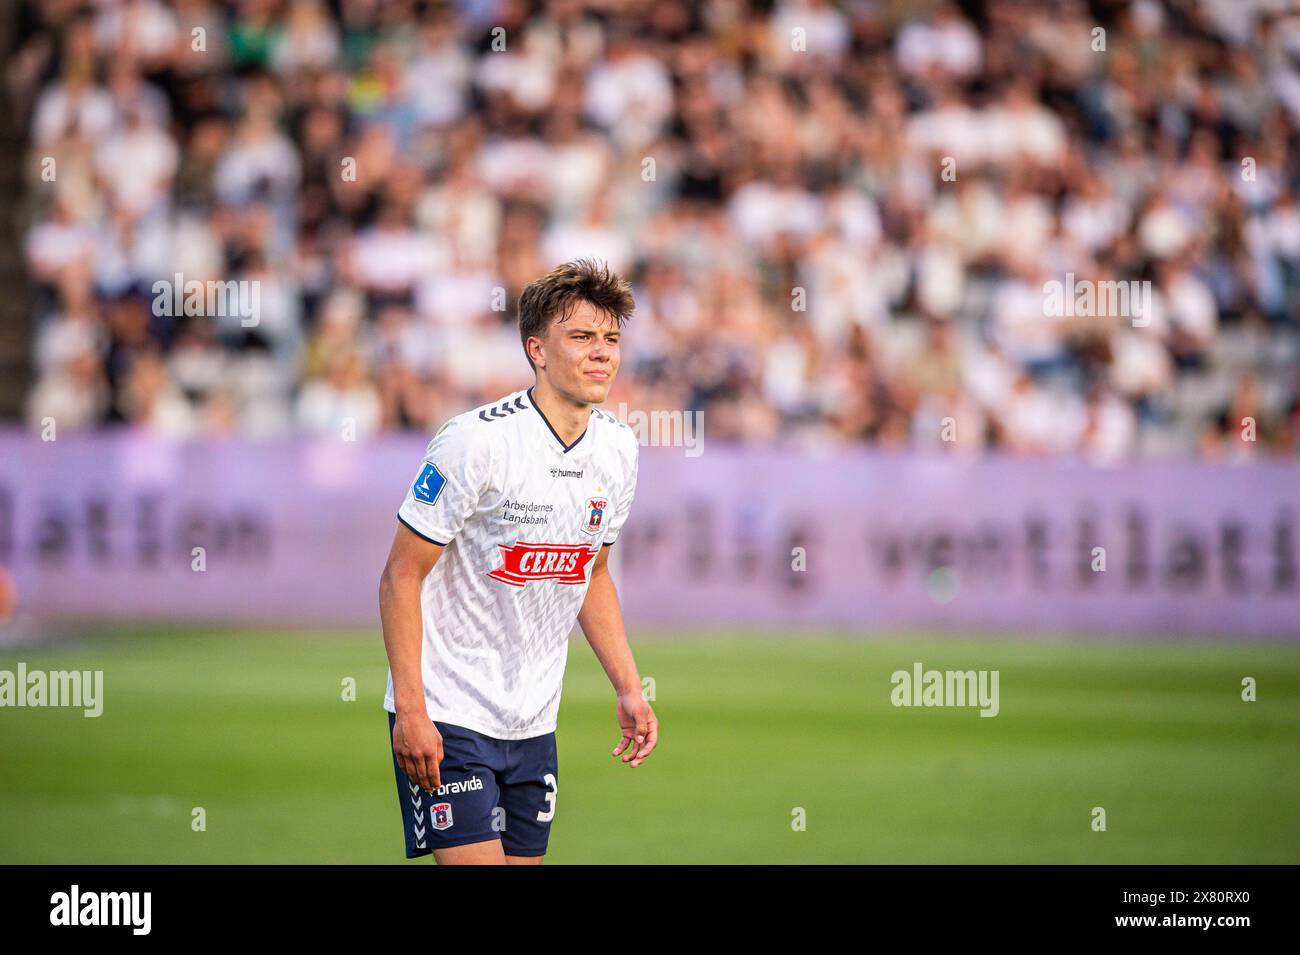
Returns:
(563, 563)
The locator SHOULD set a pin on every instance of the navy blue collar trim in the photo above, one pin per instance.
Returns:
(567, 447)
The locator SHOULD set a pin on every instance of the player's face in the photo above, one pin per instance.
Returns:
(581, 354)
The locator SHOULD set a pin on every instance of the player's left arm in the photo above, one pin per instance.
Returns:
(601, 620)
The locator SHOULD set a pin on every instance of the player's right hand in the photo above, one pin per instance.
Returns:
(418, 746)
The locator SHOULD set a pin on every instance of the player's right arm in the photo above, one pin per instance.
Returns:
(416, 740)
(444, 494)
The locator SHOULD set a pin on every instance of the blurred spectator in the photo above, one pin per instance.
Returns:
(842, 220)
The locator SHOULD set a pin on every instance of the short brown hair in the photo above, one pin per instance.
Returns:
(553, 296)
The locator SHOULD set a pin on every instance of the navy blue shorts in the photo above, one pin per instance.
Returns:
(491, 789)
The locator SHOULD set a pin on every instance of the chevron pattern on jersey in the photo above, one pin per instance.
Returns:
(503, 410)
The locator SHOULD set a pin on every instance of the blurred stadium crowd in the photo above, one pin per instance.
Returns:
(839, 218)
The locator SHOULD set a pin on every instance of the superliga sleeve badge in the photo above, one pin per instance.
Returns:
(429, 484)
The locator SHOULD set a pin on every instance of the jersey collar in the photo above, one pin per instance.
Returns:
(567, 447)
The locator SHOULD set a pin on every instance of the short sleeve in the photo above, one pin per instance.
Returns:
(448, 485)
(624, 504)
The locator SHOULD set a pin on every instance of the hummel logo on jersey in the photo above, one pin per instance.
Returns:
(563, 563)
(560, 472)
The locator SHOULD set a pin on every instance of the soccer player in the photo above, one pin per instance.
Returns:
(503, 541)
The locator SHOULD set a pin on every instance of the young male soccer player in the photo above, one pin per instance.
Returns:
(502, 542)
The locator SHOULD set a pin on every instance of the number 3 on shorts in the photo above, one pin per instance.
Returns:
(547, 814)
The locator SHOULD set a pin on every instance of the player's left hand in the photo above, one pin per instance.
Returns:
(637, 722)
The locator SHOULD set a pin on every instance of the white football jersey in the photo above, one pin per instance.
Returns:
(522, 519)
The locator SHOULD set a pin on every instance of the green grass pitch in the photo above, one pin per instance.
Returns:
(252, 727)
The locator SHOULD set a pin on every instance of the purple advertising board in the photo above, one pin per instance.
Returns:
(105, 527)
